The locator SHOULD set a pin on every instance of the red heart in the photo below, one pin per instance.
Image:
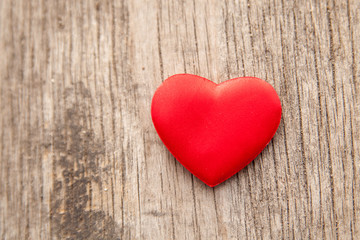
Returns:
(215, 130)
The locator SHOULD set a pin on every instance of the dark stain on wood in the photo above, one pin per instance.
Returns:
(77, 160)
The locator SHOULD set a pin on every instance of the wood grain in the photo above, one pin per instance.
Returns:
(80, 158)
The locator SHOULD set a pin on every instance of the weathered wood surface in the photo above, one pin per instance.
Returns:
(80, 159)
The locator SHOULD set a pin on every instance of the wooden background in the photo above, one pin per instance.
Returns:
(80, 158)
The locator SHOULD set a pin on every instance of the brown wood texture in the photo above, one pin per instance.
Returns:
(80, 158)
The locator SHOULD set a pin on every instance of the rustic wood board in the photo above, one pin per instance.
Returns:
(79, 156)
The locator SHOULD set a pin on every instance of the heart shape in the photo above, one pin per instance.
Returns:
(215, 130)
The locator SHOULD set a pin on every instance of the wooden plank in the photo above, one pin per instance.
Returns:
(80, 158)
